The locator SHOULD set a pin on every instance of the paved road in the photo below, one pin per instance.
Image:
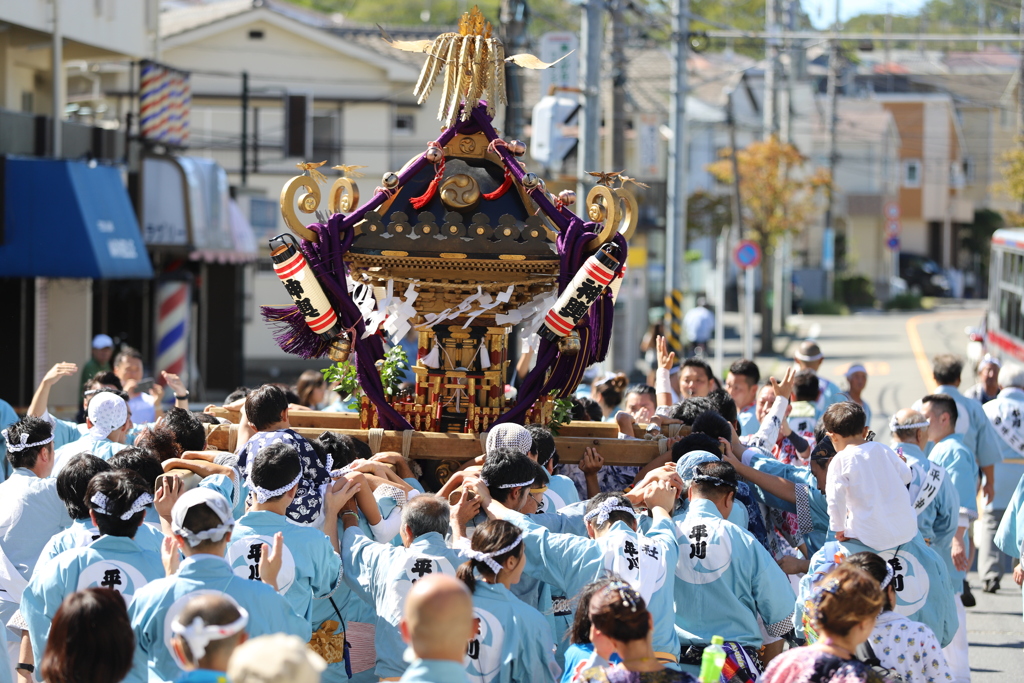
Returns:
(886, 344)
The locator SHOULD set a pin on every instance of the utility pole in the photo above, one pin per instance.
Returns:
(59, 83)
(245, 129)
(1020, 75)
(590, 84)
(734, 232)
(678, 159)
(828, 248)
(781, 252)
(615, 139)
(771, 73)
(514, 15)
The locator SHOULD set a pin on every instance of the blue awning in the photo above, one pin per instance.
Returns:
(68, 219)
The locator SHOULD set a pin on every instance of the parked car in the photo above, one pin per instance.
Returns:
(923, 275)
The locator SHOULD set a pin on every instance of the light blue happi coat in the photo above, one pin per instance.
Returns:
(309, 569)
(113, 562)
(382, 574)
(979, 436)
(160, 602)
(924, 591)
(724, 580)
(749, 424)
(7, 418)
(64, 431)
(810, 502)
(938, 511)
(513, 643)
(82, 532)
(828, 393)
(104, 449)
(435, 671)
(1010, 535)
(569, 562)
(962, 471)
(561, 492)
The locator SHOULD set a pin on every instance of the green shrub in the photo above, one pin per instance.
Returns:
(824, 308)
(855, 291)
(904, 302)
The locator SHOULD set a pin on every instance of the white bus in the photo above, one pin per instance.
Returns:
(1004, 328)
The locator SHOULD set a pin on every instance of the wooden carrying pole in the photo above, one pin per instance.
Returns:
(461, 447)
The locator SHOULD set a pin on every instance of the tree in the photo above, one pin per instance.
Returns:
(778, 197)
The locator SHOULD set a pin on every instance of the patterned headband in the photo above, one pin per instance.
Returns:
(602, 512)
(263, 495)
(890, 573)
(713, 481)
(198, 634)
(102, 504)
(894, 426)
(514, 486)
(488, 558)
(17, 447)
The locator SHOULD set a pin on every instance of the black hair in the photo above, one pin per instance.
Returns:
(73, 480)
(543, 443)
(722, 471)
(805, 386)
(714, 425)
(875, 567)
(947, 368)
(201, 518)
(506, 466)
(746, 368)
(121, 488)
(586, 409)
(159, 441)
(206, 419)
(616, 498)
(687, 410)
(105, 378)
(944, 404)
(265, 405)
(34, 429)
(275, 466)
(342, 448)
(696, 441)
(141, 462)
(694, 362)
(126, 353)
(724, 405)
(642, 390)
(239, 392)
(491, 536)
(579, 631)
(188, 430)
(844, 419)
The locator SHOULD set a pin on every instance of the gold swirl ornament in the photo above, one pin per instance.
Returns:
(307, 202)
(615, 209)
(460, 192)
(343, 197)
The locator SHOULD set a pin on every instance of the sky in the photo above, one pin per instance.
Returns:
(822, 12)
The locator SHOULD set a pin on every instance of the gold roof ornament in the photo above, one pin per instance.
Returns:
(349, 171)
(310, 167)
(471, 64)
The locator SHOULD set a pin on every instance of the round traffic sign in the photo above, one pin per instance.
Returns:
(746, 254)
(893, 242)
(893, 227)
(892, 211)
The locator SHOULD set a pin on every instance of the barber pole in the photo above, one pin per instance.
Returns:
(590, 281)
(172, 327)
(300, 282)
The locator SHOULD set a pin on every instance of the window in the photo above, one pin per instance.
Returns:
(256, 34)
(28, 100)
(912, 173)
(968, 169)
(405, 124)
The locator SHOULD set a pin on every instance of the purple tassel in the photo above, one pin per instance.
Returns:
(291, 332)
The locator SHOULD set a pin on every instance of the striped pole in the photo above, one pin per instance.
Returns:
(674, 322)
(172, 327)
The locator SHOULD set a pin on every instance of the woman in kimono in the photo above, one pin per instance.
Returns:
(513, 641)
(843, 609)
(621, 625)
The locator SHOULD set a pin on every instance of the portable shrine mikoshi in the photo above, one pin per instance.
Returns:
(460, 246)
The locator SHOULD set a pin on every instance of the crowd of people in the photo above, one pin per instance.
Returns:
(773, 532)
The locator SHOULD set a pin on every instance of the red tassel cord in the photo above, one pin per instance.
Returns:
(424, 199)
(501, 190)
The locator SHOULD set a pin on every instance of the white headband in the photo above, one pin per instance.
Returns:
(198, 634)
(514, 486)
(856, 368)
(389, 491)
(889, 575)
(808, 359)
(263, 495)
(894, 426)
(603, 511)
(16, 447)
(216, 502)
(488, 558)
(102, 504)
